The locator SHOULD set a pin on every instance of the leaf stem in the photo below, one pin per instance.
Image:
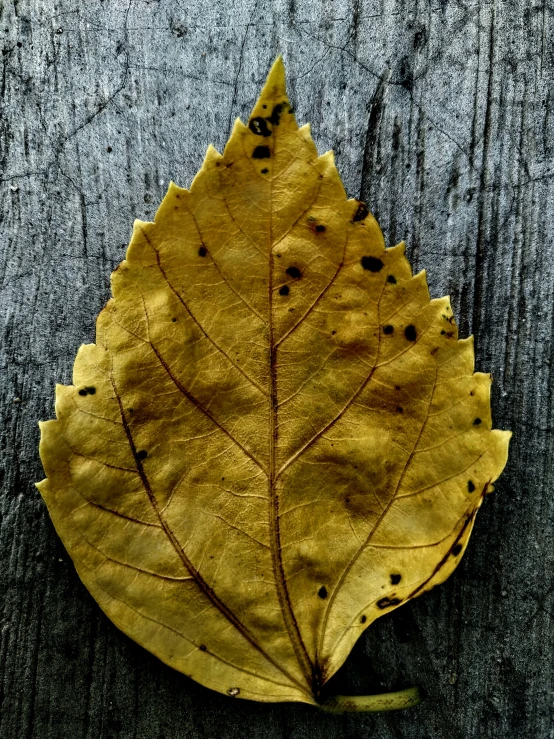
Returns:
(365, 703)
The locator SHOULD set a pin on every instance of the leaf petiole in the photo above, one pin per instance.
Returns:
(366, 703)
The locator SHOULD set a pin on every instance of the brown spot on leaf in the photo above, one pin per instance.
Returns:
(261, 152)
(276, 114)
(388, 602)
(361, 213)
(372, 264)
(410, 332)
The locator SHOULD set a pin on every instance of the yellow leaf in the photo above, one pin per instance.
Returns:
(277, 437)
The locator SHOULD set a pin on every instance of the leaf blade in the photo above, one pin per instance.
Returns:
(277, 436)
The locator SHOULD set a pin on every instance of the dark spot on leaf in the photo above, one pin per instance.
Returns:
(395, 579)
(472, 392)
(265, 170)
(361, 213)
(322, 592)
(294, 272)
(372, 264)
(173, 320)
(276, 114)
(264, 106)
(87, 391)
(457, 549)
(388, 602)
(202, 647)
(130, 410)
(142, 454)
(388, 329)
(261, 152)
(400, 409)
(259, 127)
(202, 251)
(333, 333)
(391, 279)
(284, 290)
(410, 332)
(470, 486)
(320, 229)
(477, 422)
(363, 619)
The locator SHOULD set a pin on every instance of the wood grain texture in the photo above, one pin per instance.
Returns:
(441, 117)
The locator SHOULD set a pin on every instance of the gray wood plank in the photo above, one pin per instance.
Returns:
(441, 117)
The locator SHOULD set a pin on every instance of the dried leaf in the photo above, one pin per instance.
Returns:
(277, 437)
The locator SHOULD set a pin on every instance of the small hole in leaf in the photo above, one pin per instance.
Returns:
(410, 332)
(477, 422)
(259, 126)
(470, 486)
(202, 251)
(322, 592)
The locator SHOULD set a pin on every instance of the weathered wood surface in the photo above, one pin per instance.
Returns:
(441, 117)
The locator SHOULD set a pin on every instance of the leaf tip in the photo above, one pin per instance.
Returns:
(274, 92)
